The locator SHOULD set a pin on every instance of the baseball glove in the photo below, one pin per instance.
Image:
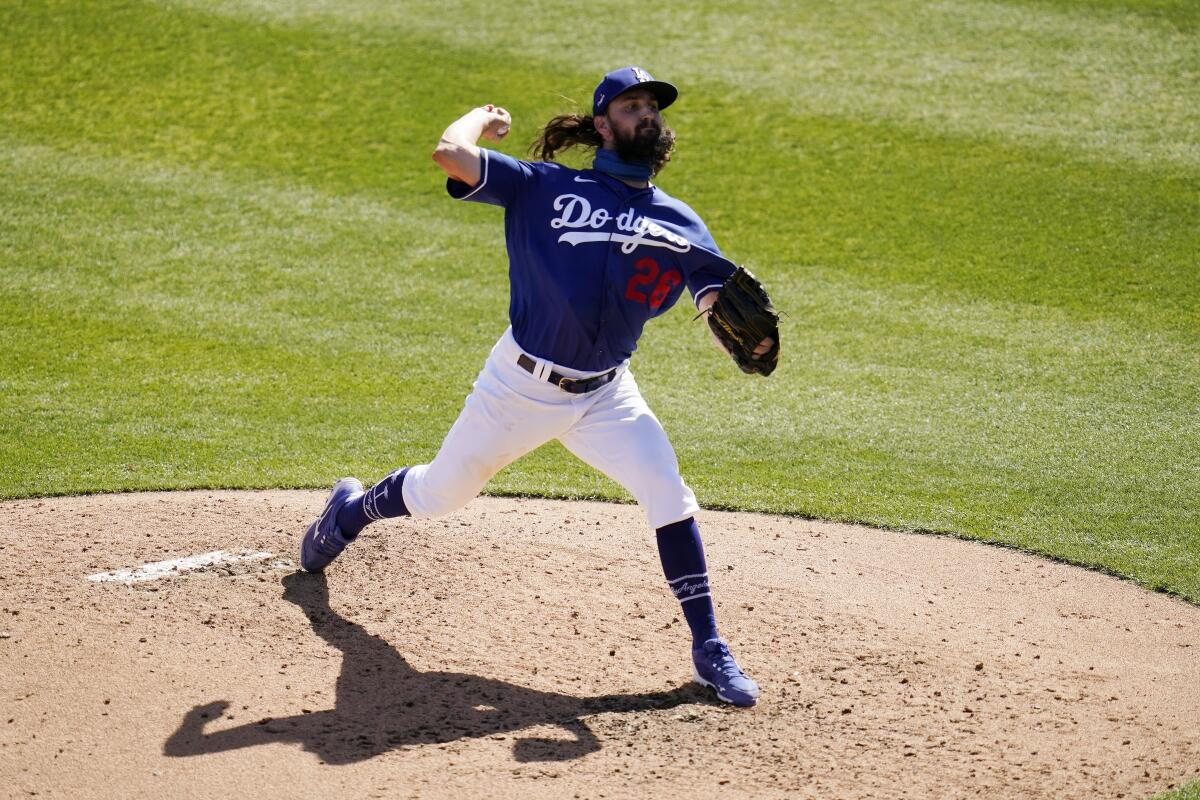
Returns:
(743, 316)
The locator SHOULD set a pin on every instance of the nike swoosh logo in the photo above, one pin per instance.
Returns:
(582, 180)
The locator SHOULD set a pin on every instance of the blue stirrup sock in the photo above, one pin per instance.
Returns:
(682, 555)
(384, 500)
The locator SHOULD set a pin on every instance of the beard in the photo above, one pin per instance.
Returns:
(647, 145)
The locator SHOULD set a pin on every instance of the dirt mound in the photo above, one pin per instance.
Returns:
(531, 649)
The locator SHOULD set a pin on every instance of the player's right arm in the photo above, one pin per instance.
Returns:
(457, 152)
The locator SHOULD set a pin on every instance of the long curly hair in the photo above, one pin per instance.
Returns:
(577, 130)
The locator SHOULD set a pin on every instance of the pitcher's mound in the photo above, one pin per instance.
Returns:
(530, 649)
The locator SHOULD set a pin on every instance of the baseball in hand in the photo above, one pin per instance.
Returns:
(498, 126)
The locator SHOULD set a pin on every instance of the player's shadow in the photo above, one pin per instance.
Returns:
(383, 703)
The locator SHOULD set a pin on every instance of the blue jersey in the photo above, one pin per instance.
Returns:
(590, 258)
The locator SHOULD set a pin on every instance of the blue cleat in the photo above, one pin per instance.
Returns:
(323, 541)
(713, 666)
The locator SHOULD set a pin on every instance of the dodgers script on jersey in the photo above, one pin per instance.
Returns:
(591, 259)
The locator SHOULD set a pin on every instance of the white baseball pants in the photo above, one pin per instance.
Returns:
(511, 412)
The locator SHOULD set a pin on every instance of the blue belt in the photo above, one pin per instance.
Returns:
(572, 385)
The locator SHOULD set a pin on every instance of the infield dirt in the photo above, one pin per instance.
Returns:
(530, 649)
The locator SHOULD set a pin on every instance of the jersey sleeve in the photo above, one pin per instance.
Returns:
(501, 179)
(709, 268)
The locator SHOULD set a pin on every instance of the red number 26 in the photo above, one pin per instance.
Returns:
(647, 270)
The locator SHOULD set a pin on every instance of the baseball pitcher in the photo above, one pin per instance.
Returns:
(593, 255)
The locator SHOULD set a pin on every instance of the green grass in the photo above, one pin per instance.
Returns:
(226, 259)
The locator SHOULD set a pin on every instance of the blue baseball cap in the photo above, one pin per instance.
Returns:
(626, 78)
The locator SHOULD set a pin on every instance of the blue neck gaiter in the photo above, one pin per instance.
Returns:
(608, 162)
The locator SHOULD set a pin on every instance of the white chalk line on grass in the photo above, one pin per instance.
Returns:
(177, 566)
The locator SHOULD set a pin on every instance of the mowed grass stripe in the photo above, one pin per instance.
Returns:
(900, 255)
(1098, 77)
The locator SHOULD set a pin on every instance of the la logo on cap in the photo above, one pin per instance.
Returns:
(624, 79)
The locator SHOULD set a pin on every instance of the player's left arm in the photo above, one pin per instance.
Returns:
(707, 280)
